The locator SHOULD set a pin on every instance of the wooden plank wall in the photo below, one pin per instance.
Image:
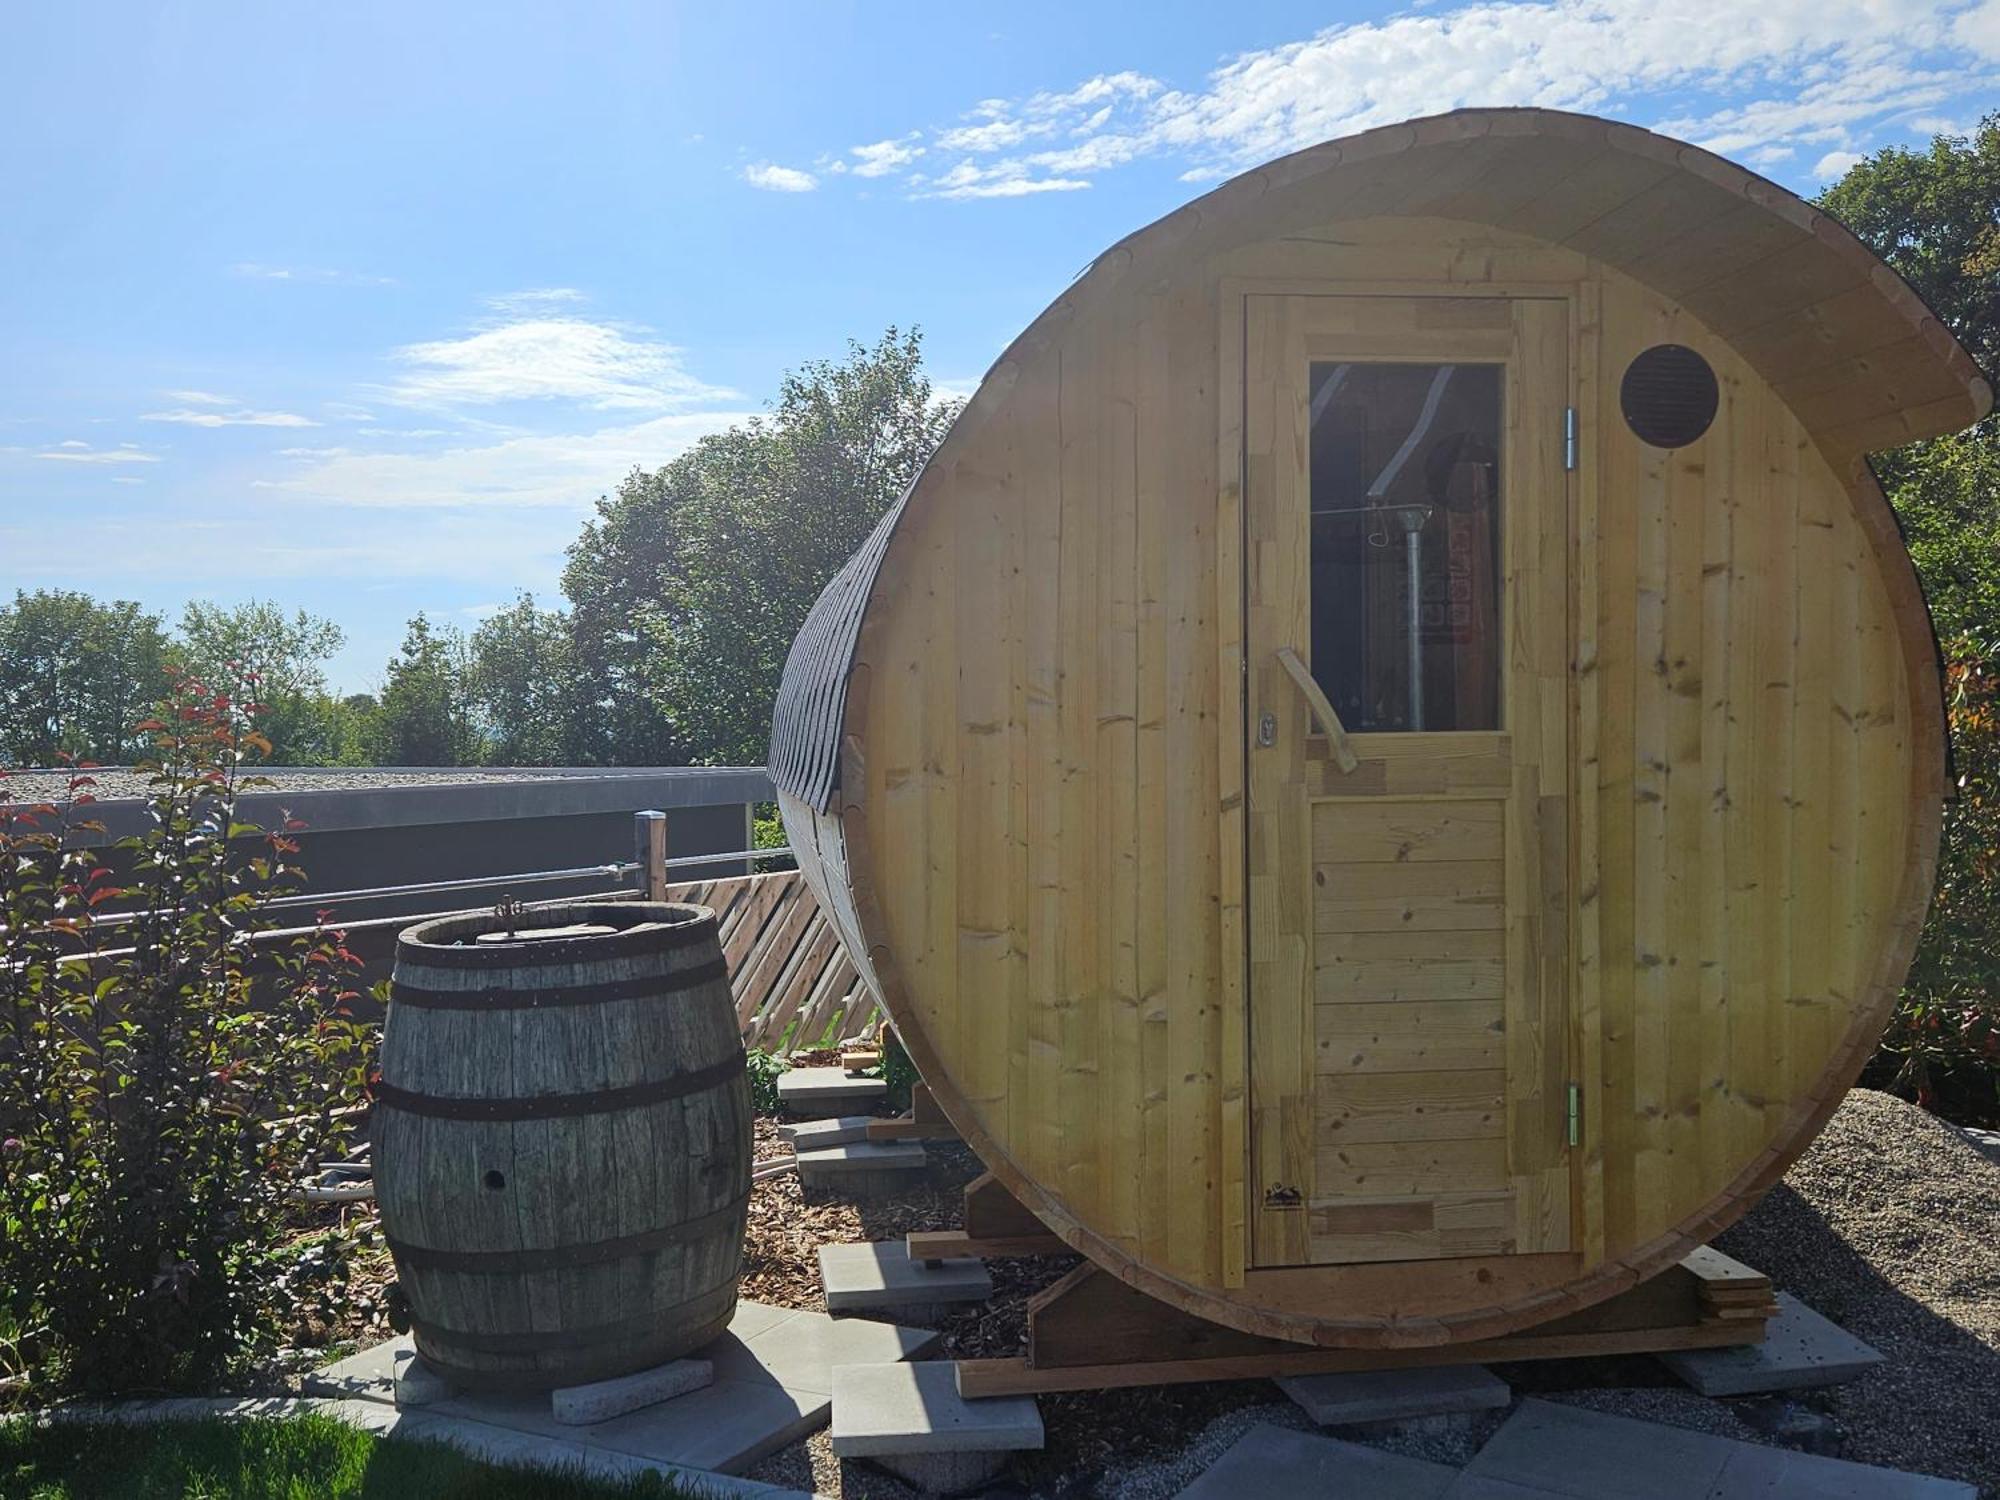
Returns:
(1042, 770)
(1749, 785)
(787, 967)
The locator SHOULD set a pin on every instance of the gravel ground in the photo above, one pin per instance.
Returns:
(1889, 1225)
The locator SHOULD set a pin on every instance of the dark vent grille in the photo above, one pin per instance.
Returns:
(812, 697)
(1668, 396)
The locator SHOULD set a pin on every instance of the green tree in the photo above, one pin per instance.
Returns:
(1935, 216)
(424, 717)
(75, 675)
(523, 685)
(694, 579)
(287, 654)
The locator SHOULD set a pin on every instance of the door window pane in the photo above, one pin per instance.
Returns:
(1405, 476)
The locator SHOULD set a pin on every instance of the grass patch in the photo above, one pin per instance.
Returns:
(307, 1457)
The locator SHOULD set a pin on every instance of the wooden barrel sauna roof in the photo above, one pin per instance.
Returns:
(1856, 353)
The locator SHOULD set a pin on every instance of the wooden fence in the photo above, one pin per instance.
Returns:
(794, 983)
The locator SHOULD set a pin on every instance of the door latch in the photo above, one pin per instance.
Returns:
(1267, 731)
(1575, 1115)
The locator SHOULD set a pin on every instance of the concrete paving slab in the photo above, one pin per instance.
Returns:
(820, 1093)
(863, 1156)
(1391, 1395)
(839, 1130)
(1755, 1473)
(1800, 1349)
(1568, 1451)
(862, 1277)
(801, 1352)
(1485, 1487)
(726, 1426)
(916, 1408)
(771, 1387)
(1276, 1463)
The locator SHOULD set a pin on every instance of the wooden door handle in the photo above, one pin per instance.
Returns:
(1329, 721)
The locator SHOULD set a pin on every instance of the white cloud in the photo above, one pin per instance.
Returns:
(73, 452)
(776, 179)
(199, 398)
(1979, 29)
(1767, 84)
(536, 299)
(126, 479)
(1004, 179)
(346, 411)
(258, 271)
(243, 416)
(548, 470)
(72, 443)
(884, 157)
(599, 365)
(1834, 163)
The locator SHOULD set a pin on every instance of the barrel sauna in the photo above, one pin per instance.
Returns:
(562, 1141)
(1388, 770)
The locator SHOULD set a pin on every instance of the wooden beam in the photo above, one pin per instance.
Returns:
(947, 1244)
(1018, 1377)
(1091, 1331)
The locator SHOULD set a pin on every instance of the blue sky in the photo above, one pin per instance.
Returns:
(360, 306)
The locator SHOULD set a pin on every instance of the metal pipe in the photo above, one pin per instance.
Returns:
(475, 882)
(1413, 551)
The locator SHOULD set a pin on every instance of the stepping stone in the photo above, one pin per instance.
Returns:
(1393, 1395)
(601, 1400)
(910, 1419)
(1565, 1450)
(1571, 1453)
(773, 1384)
(813, 1135)
(866, 1169)
(869, 1278)
(1758, 1473)
(1276, 1463)
(827, 1093)
(1800, 1349)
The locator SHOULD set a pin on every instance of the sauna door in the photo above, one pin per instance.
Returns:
(1405, 516)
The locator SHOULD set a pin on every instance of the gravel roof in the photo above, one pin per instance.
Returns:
(120, 784)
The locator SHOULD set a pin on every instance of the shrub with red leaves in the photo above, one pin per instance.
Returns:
(1943, 1047)
(171, 1065)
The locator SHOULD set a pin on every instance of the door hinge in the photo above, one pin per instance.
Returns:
(1569, 437)
(1575, 1115)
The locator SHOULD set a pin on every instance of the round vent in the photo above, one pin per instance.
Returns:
(1668, 396)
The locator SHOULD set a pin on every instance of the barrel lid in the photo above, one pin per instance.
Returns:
(557, 933)
(536, 934)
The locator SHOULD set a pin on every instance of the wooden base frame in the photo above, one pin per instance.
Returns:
(1091, 1331)
(996, 1226)
(924, 1122)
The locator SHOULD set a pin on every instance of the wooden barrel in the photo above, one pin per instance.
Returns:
(562, 1141)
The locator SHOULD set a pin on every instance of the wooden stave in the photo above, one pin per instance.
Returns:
(621, 1175)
